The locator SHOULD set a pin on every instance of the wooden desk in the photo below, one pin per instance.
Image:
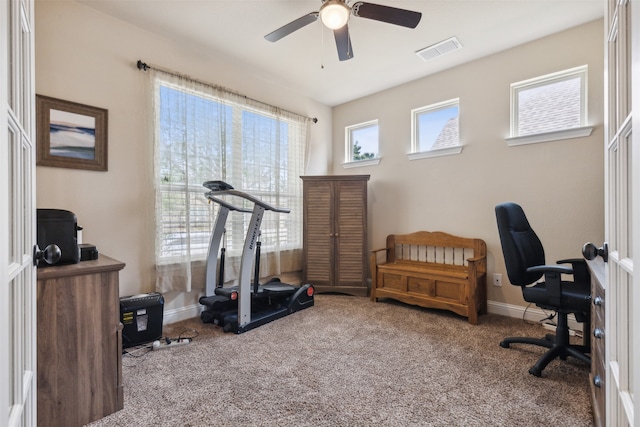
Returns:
(79, 352)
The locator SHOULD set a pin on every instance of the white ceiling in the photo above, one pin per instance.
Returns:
(384, 54)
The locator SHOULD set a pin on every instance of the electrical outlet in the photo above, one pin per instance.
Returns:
(497, 279)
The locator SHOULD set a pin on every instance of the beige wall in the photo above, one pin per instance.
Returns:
(559, 184)
(88, 57)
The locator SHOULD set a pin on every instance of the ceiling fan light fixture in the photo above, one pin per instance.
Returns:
(334, 14)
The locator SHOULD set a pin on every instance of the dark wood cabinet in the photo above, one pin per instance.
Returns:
(79, 352)
(335, 233)
(598, 370)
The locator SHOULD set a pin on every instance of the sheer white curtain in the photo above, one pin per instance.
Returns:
(203, 132)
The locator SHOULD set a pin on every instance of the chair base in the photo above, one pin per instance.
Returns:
(558, 345)
(555, 351)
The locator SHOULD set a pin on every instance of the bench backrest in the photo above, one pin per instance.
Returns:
(434, 248)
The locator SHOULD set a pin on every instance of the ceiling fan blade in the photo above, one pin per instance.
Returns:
(343, 43)
(391, 15)
(292, 26)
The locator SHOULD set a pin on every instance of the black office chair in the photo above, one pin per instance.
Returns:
(524, 259)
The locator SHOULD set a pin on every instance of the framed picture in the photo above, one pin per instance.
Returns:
(70, 135)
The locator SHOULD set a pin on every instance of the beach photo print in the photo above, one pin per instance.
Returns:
(70, 135)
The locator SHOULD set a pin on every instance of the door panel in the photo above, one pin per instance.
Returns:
(621, 210)
(350, 210)
(318, 236)
(17, 220)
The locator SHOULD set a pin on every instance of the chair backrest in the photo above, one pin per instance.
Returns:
(521, 246)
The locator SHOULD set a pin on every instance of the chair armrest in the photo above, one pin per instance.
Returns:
(581, 272)
(572, 261)
(553, 280)
(550, 269)
(553, 277)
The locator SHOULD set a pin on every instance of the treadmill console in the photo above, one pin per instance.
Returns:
(217, 186)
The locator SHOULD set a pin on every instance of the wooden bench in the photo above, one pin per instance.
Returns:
(433, 270)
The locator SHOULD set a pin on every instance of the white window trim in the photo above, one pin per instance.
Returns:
(559, 134)
(361, 163)
(415, 154)
(556, 135)
(348, 146)
(449, 151)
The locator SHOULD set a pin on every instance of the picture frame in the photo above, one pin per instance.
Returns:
(70, 135)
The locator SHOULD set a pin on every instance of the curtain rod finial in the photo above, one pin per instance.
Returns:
(314, 120)
(142, 66)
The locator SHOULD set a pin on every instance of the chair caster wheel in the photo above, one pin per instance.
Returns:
(504, 344)
(535, 372)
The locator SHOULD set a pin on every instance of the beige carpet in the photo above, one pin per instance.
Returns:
(350, 362)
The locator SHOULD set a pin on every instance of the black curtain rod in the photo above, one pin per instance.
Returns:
(144, 67)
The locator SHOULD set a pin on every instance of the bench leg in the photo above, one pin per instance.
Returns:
(473, 316)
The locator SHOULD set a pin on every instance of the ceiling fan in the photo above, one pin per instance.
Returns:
(335, 14)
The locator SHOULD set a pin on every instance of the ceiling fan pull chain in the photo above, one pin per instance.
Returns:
(322, 47)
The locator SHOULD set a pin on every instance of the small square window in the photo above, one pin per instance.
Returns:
(550, 103)
(435, 127)
(361, 141)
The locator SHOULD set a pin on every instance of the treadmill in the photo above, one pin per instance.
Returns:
(244, 307)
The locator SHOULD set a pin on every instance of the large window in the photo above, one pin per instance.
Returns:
(550, 107)
(204, 134)
(435, 129)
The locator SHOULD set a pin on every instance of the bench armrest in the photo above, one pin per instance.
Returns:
(373, 266)
(478, 264)
(378, 250)
(374, 255)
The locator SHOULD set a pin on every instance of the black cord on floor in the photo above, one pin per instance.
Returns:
(144, 349)
(549, 317)
(193, 334)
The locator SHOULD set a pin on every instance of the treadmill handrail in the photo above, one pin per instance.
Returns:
(246, 196)
(227, 204)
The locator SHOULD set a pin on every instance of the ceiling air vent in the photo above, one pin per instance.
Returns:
(439, 49)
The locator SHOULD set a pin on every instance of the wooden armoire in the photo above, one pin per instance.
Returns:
(335, 233)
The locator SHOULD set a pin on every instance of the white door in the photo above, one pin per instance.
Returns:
(622, 212)
(17, 215)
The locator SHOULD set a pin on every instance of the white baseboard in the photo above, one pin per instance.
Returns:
(183, 313)
(531, 314)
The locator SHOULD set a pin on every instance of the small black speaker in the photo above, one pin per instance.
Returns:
(141, 315)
